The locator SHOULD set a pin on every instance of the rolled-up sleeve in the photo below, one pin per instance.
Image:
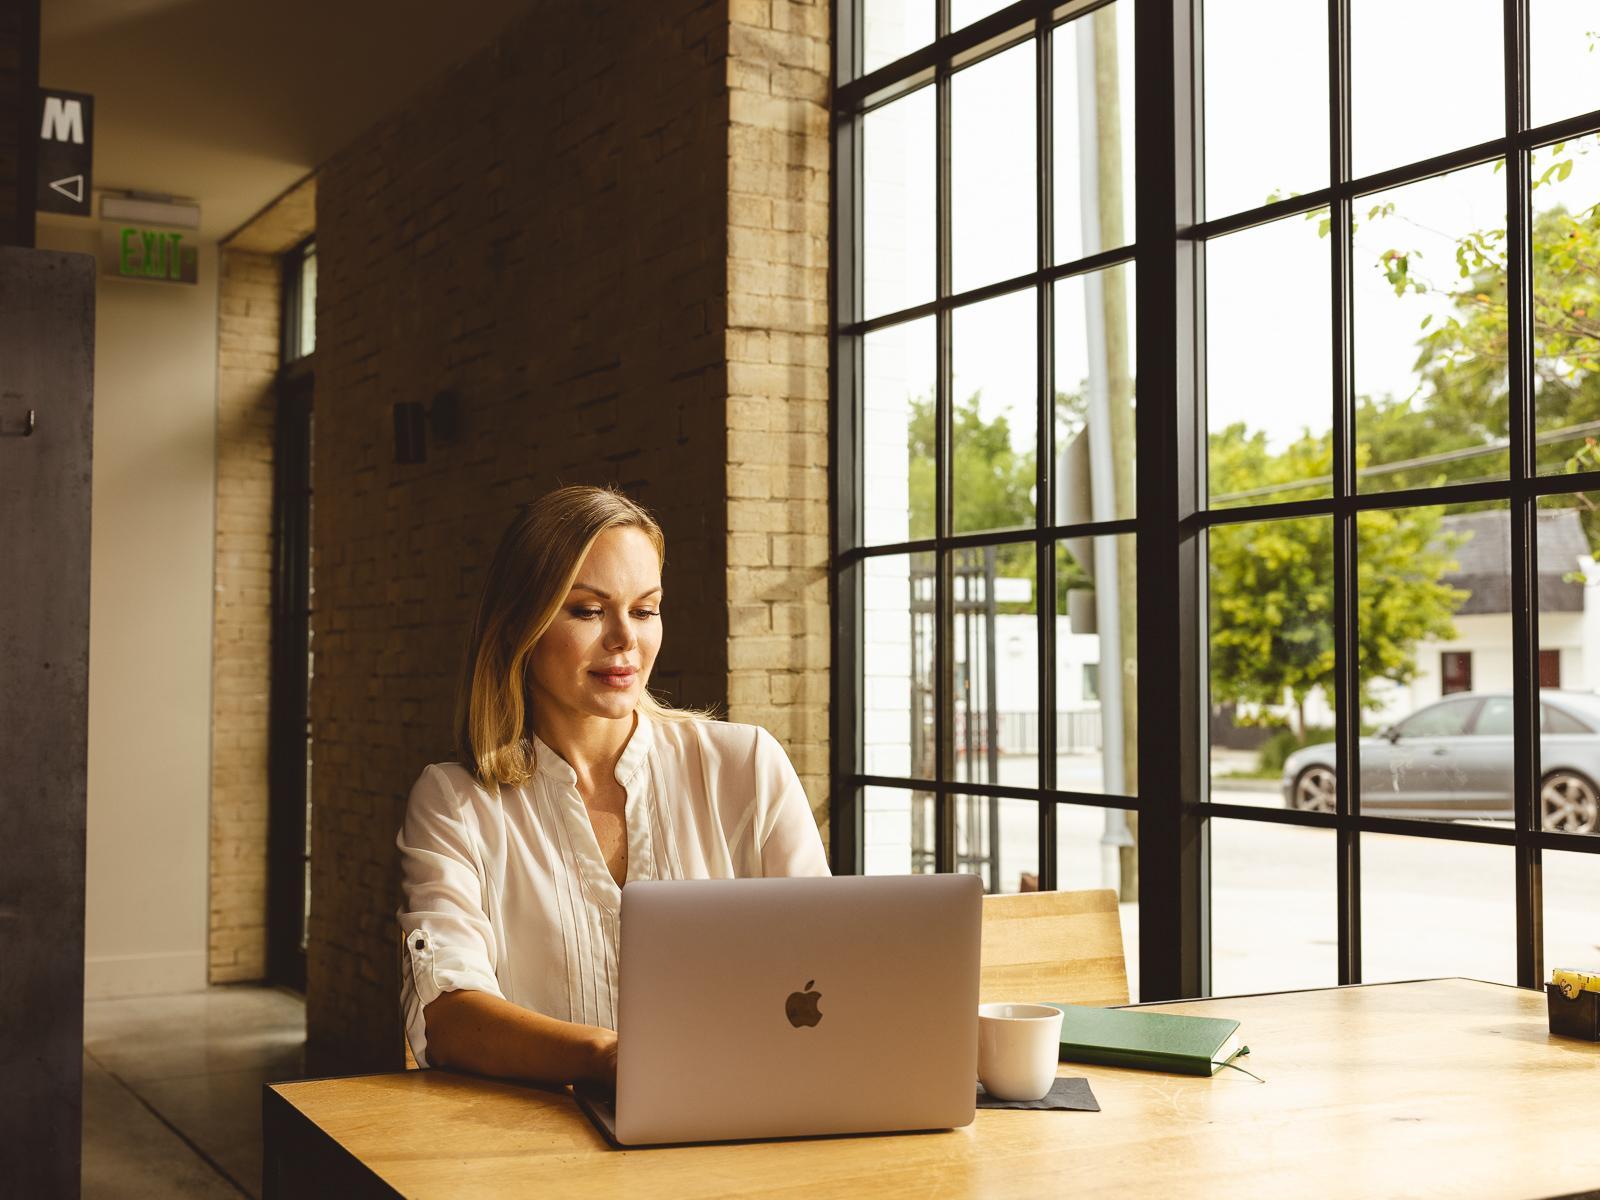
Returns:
(449, 942)
(786, 830)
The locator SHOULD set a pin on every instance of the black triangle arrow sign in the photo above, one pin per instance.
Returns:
(70, 187)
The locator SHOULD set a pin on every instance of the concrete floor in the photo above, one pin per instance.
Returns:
(172, 1090)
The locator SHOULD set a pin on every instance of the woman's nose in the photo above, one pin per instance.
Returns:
(620, 634)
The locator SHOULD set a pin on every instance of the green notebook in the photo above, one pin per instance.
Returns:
(1127, 1037)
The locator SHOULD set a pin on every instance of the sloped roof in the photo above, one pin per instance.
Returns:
(1483, 560)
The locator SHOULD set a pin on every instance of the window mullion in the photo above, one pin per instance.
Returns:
(944, 604)
(1044, 491)
(1524, 577)
(1346, 543)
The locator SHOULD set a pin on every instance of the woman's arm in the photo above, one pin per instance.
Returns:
(479, 1032)
(455, 1012)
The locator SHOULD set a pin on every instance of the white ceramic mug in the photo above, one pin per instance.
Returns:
(1018, 1048)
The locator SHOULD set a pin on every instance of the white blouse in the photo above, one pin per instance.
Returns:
(510, 895)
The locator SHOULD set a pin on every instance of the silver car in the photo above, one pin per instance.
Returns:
(1452, 759)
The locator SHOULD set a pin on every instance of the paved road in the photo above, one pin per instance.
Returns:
(1429, 907)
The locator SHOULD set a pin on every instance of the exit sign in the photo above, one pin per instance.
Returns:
(151, 255)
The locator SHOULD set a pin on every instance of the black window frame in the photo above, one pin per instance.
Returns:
(289, 712)
(292, 308)
(1173, 520)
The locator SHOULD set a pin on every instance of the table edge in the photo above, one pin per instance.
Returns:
(565, 1090)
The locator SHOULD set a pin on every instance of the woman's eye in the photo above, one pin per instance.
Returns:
(583, 613)
(645, 612)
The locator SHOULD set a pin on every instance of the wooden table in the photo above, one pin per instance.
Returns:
(1445, 1087)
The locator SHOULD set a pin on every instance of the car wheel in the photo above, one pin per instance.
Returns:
(1314, 789)
(1569, 803)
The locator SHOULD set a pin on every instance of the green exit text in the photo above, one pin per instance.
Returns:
(155, 254)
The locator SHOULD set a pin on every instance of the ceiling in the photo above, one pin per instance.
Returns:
(232, 102)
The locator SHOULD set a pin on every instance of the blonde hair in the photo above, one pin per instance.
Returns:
(533, 569)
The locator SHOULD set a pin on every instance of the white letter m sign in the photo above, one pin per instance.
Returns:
(63, 121)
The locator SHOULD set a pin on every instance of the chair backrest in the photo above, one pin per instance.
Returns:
(1064, 946)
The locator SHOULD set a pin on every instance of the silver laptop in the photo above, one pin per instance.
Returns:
(762, 1008)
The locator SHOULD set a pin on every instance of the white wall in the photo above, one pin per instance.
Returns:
(150, 599)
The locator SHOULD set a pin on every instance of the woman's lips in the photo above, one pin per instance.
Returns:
(616, 679)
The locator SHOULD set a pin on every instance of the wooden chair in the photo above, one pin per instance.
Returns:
(1058, 946)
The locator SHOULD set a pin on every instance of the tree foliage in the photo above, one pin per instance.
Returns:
(993, 483)
(1271, 583)
(993, 489)
(1271, 633)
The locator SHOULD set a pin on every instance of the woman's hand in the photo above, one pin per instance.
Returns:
(605, 1059)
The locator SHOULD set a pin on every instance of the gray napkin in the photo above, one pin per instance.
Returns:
(1064, 1094)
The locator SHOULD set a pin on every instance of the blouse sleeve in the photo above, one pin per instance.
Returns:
(786, 832)
(449, 943)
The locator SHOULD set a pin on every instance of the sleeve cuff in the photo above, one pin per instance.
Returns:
(429, 969)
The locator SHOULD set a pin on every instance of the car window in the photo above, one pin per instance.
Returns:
(1556, 721)
(1495, 719)
(1440, 720)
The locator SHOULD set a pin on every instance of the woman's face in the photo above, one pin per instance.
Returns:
(595, 658)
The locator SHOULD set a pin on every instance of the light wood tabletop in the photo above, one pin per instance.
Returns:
(1446, 1087)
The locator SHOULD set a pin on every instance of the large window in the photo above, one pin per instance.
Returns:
(986, 349)
(1291, 686)
(293, 593)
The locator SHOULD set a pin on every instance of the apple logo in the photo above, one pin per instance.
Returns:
(802, 1007)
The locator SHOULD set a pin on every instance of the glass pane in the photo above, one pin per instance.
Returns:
(1566, 303)
(965, 12)
(897, 437)
(897, 161)
(1274, 923)
(994, 388)
(1269, 363)
(1569, 660)
(899, 827)
(996, 727)
(897, 665)
(993, 174)
(1435, 654)
(1424, 80)
(308, 301)
(1571, 899)
(1093, 132)
(1097, 713)
(997, 838)
(1256, 151)
(894, 28)
(1097, 848)
(1564, 53)
(1094, 396)
(1270, 610)
(1430, 302)
(1431, 907)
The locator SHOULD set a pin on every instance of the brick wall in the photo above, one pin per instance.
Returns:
(247, 363)
(19, 81)
(544, 232)
(607, 233)
(777, 378)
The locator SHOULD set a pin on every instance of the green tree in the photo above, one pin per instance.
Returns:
(994, 487)
(993, 483)
(1462, 400)
(1271, 584)
(1463, 358)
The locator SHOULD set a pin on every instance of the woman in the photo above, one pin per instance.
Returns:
(573, 780)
